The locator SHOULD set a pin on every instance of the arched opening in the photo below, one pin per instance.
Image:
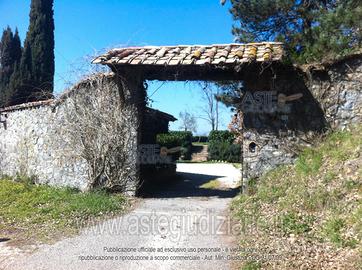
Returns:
(264, 117)
(252, 147)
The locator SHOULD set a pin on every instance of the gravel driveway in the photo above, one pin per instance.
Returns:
(181, 226)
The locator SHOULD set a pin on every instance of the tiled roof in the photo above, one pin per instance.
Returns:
(218, 55)
(165, 115)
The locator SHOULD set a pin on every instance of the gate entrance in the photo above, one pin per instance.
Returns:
(276, 108)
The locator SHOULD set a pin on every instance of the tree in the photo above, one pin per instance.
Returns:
(10, 54)
(230, 93)
(311, 29)
(211, 104)
(36, 69)
(188, 121)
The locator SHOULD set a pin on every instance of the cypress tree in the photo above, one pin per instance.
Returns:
(10, 54)
(16, 47)
(5, 63)
(37, 62)
(21, 80)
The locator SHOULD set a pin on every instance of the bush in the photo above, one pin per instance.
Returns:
(168, 140)
(224, 151)
(177, 138)
(221, 136)
(221, 147)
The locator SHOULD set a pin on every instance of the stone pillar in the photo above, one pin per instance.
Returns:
(133, 94)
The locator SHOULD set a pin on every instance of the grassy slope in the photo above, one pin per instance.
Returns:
(29, 212)
(309, 213)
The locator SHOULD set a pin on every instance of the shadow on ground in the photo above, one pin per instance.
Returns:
(185, 185)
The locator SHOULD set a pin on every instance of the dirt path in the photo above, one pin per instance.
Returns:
(182, 226)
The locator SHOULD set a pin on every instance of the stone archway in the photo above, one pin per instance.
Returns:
(259, 65)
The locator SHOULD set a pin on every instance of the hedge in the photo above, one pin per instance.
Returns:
(221, 136)
(177, 138)
(222, 146)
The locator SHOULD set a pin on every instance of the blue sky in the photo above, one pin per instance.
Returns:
(85, 28)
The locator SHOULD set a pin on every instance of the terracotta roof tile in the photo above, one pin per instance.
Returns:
(223, 54)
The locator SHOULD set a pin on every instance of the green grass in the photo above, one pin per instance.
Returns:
(291, 222)
(213, 184)
(309, 162)
(352, 184)
(237, 165)
(316, 198)
(36, 207)
(329, 176)
(332, 230)
(270, 190)
(251, 266)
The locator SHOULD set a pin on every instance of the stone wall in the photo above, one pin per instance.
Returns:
(332, 98)
(48, 140)
(89, 137)
(32, 145)
(338, 89)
